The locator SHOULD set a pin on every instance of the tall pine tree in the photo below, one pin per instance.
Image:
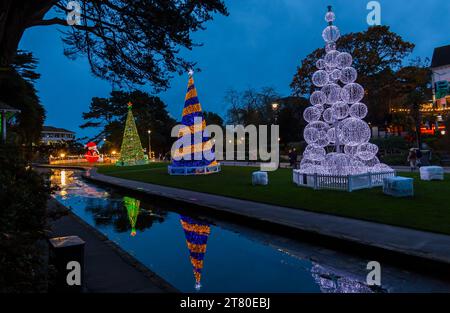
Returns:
(131, 152)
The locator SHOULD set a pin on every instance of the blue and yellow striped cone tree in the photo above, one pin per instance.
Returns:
(196, 233)
(191, 160)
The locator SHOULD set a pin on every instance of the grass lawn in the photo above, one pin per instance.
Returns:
(428, 210)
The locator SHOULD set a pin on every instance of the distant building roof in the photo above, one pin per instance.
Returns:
(56, 130)
(441, 56)
(7, 108)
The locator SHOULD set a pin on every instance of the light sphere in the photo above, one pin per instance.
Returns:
(343, 60)
(320, 78)
(333, 92)
(350, 150)
(320, 64)
(340, 110)
(335, 75)
(354, 132)
(328, 116)
(319, 125)
(322, 141)
(330, 17)
(331, 34)
(318, 98)
(348, 75)
(331, 58)
(320, 107)
(330, 46)
(357, 167)
(367, 151)
(311, 135)
(314, 153)
(352, 93)
(305, 163)
(338, 163)
(381, 168)
(312, 114)
(329, 69)
(331, 135)
(372, 162)
(358, 110)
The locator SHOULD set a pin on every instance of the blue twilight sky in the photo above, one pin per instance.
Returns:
(259, 44)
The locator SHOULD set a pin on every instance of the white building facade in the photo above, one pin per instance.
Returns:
(52, 134)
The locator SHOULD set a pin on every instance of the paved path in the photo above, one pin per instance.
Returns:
(402, 240)
(287, 165)
(109, 269)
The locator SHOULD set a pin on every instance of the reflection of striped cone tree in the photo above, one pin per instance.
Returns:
(196, 233)
(198, 158)
(132, 205)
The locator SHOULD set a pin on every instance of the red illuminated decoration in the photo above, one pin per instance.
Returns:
(432, 130)
(92, 155)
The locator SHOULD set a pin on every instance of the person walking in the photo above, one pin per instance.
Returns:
(412, 159)
(419, 157)
(293, 158)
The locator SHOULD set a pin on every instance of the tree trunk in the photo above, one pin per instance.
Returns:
(418, 119)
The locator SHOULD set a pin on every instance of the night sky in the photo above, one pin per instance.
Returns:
(259, 44)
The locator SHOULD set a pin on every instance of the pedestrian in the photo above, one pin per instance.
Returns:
(292, 158)
(412, 159)
(419, 157)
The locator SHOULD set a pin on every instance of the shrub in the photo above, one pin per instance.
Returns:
(392, 144)
(23, 198)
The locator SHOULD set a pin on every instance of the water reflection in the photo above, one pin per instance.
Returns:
(196, 233)
(239, 259)
(132, 205)
(67, 183)
(331, 282)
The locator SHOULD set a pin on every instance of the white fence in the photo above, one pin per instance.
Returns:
(345, 183)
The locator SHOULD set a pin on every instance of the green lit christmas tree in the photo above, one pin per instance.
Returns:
(131, 152)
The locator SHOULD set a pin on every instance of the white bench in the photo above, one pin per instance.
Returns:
(260, 178)
(398, 186)
(431, 173)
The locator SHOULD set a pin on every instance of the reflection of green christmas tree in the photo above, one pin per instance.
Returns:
(132, 205)
(131, 152)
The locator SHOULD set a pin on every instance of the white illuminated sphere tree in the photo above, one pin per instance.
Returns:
(336, 134)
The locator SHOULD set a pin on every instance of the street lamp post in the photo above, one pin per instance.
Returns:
(149, 145)
(275, 107)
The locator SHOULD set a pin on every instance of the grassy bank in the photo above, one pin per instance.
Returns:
(428, 210)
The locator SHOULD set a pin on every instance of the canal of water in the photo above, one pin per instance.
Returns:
(206, 254)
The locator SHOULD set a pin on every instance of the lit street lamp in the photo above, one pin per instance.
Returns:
(149, 145)
(275, 107)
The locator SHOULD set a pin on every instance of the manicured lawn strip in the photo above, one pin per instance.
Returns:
(428, 210)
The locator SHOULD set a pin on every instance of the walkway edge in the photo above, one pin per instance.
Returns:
(409, 242)
(124, 255)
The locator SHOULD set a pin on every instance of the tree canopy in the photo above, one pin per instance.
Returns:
(378, 54)
(124, 40)
(109, 114)
(17, 89)
(251, 106)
